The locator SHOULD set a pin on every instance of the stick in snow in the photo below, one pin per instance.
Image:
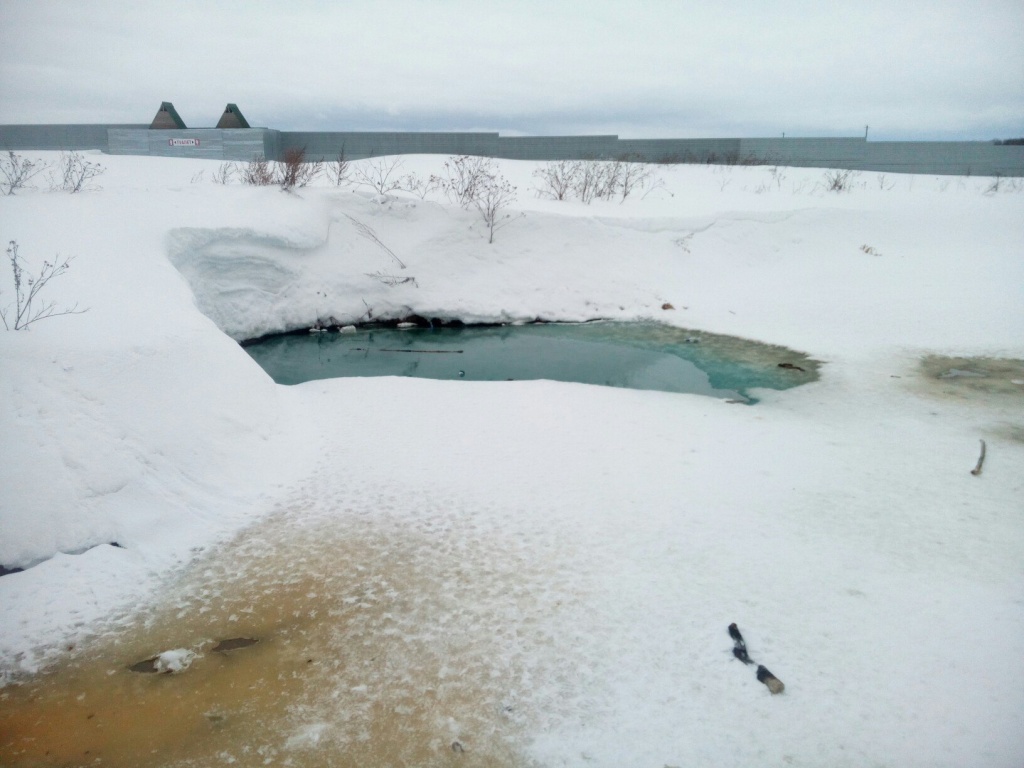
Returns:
(981, 460)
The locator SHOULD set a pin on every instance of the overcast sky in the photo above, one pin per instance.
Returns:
(672, 68)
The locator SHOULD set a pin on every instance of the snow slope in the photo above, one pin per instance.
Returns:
(837, 523)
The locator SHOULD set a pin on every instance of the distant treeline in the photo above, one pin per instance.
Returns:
(1014, 142)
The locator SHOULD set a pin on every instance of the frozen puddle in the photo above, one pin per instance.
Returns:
(631, 355)
(380, 643)
(975, 376)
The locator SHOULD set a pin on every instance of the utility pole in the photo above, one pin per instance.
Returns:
(865, 133)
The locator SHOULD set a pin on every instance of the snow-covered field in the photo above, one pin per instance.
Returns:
(604, 538)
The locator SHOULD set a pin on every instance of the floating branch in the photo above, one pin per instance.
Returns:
(981, 460)
(426, 351)
(369, 234)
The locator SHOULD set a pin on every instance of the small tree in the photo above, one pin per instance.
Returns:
(16, 172)
(74, 173)
(28, 307)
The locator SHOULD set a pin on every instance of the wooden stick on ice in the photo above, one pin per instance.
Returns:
(981, 460)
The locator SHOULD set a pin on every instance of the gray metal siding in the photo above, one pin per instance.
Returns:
(237, 144)
(241, 145)
(57, 137)
(556, 147)
(953, 157)
(679, 150)
(362, 144)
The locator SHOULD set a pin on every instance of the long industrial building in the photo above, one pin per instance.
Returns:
(232, 139)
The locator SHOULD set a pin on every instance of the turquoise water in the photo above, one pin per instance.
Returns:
(631, 355)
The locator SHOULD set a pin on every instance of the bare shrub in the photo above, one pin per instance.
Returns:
(591, 180)
(462, 177)
(633, 174)
(74, 173)
(295, 170)
(338, 168)
(380, 174)
(16, 172)
(417, 186)
(28, 307)
(588, 180)
(257, 172)
(556, 179)
(838, 181)
(1000, 183)
(225, 173)
(493, 195)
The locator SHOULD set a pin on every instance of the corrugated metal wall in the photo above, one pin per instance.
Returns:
(358, 145)
(957, 158)
(239, 144)
(19, 137)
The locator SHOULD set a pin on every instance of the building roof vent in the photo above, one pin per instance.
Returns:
(232, 118)
(167, 117)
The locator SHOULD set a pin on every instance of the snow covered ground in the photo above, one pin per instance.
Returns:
(837, 523)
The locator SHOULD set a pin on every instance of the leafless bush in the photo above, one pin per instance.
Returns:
(493, 195)
(380, 174)
(295, 171)
(74, 173)
(555, 180)
(591, 180)
(225, 173)
(28, 307)
(1000, 183)
(16, 172)
(462, 177)
(884, 184)
(337, 170)
(417, 186)
(838, 181)
(257, 172)
(632, 174)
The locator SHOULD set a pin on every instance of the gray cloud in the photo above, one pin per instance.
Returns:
(937, 69)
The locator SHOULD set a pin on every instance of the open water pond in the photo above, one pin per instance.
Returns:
(632, 355)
